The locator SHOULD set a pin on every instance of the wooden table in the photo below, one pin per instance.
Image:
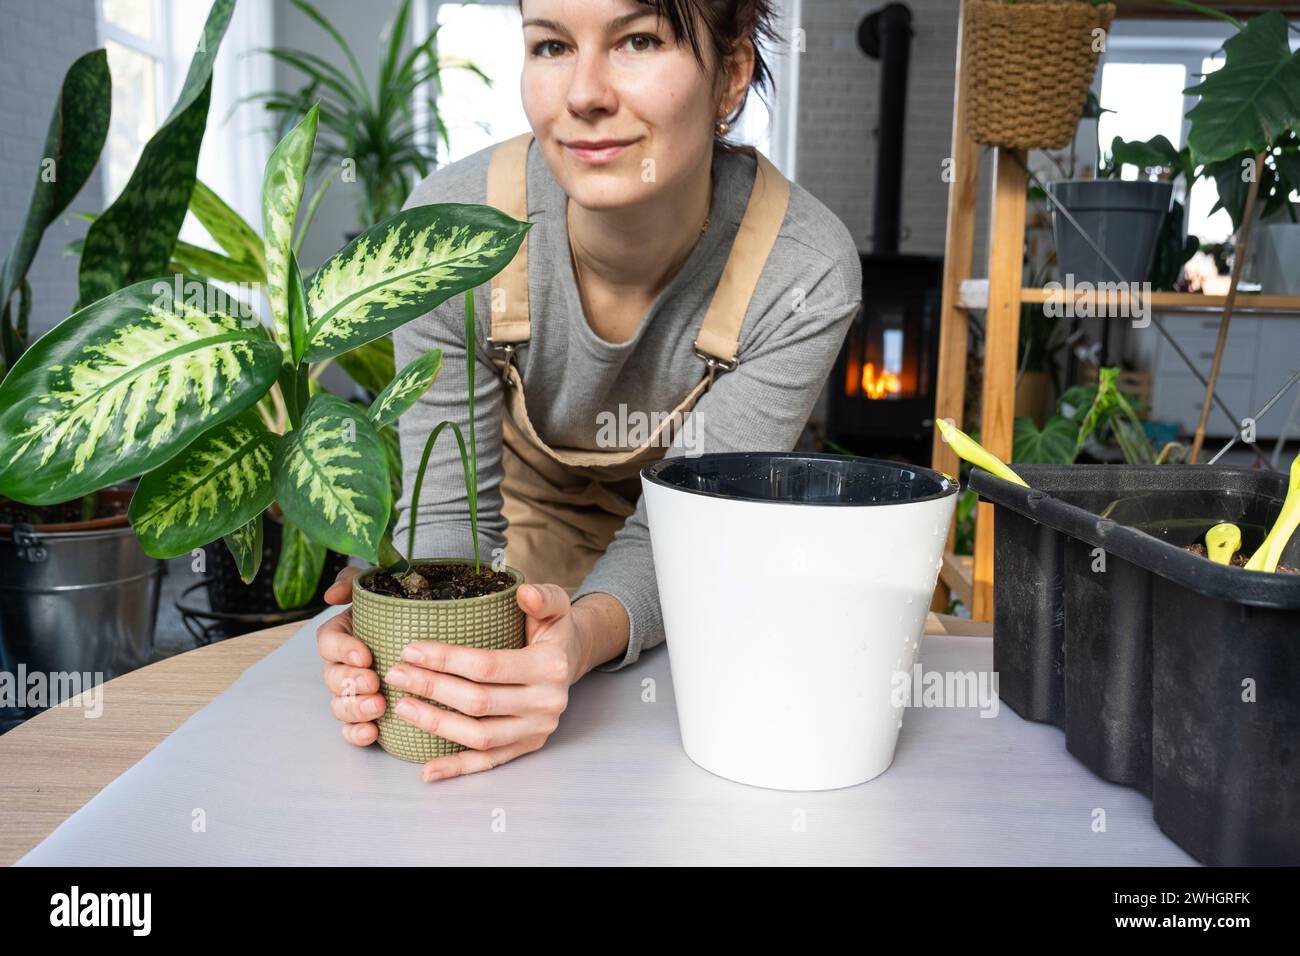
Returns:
(55, 763)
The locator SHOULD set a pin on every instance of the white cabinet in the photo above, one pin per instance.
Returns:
(1261, 354)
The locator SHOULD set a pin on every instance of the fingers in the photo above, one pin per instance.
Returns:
(476, 700)
(363, 735)
(543, 600)
(472, 761)
(340, 592)
(348, 681)
(476, 733)
(337, 643)
(524, 665)
(358, 709)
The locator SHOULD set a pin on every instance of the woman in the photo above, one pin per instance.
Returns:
(666, 271)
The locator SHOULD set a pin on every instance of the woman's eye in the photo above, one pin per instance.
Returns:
(654, 42)
(540, 48)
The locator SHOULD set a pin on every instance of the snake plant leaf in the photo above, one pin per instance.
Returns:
(124, 384)
(406, 388)
(218, 484)
(404, 267)
(297, 575)
(245, 545)
(372, 365)
(286, 175)
(228, 229)
(327, 479)
(133, 238)
(72, 147)
(1253, 99)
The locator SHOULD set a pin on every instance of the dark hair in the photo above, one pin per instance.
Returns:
(727, 23)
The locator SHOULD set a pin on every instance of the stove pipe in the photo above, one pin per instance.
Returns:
(886, 35)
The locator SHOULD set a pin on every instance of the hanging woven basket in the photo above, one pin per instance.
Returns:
(1028, 68)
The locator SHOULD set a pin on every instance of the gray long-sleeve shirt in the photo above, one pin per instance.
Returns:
(808, 293)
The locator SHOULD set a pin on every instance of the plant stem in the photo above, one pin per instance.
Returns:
(1207, 11)
(471, 487)
(470, 490)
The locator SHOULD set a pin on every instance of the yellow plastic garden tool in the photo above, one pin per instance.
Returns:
(1222, 542)
(972, 451)
(1270, 552)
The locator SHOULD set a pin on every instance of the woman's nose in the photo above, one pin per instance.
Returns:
(591, 86)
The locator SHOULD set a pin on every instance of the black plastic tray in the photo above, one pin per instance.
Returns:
(1167, 672)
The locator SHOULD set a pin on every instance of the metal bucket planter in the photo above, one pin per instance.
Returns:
(77, 597)
(387, 624)
(794, 590)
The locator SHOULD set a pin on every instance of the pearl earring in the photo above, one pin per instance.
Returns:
(723, 126)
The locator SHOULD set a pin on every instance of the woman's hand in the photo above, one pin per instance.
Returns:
(357, 700)
(510, 701)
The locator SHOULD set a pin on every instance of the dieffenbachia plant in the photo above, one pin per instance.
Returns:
(161, 379)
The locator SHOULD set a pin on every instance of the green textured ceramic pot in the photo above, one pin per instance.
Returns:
(387, 624)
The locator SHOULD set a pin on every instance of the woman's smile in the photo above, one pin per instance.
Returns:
(598, 151)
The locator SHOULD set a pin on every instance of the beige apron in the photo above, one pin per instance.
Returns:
(563, 505)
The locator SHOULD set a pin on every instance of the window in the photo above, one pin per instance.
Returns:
(1146, 67)
(131, 31)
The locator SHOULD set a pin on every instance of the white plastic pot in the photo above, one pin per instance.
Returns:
(794, 588)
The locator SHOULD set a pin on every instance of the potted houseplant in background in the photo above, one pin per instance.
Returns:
(163, 379)
(376, 129)
(78, 593)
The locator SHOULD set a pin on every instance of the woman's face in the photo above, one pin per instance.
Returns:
(608, 72)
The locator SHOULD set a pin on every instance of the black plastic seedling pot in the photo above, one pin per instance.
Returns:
(1167, 672)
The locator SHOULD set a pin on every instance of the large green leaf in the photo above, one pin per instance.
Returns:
(219, 483)
(1253, 99)
(297, 575)
(406, 388)
(402, 268)
(228, 229)
(1054, 445)
(329, 480)
(372, 365)
(245, 544)
(123, 385)
(72, 146)
(286, 175)
(197, 261)
(133, 238)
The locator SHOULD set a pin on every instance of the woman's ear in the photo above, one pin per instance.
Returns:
(739, 68)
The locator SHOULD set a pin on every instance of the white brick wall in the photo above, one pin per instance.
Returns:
(38, 42)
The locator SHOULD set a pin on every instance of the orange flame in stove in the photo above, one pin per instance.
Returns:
(886, 384)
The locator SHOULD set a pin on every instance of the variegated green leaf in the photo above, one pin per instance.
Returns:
(216, 485)
(228, 229)
(124, 384)
(297, 575)
(286, 174)
(297, 311)
(404, 267)
(245, 544)
(406, 388)
(328, 480)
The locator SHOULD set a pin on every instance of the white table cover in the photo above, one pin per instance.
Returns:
(262, 776)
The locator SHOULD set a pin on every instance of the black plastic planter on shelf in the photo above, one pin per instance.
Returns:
(1167, 672)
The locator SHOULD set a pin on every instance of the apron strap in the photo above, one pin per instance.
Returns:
(507, 190)
(719, 337)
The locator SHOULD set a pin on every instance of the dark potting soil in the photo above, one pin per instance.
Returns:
(68, 512)
(1238, 560)
(440, 582)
